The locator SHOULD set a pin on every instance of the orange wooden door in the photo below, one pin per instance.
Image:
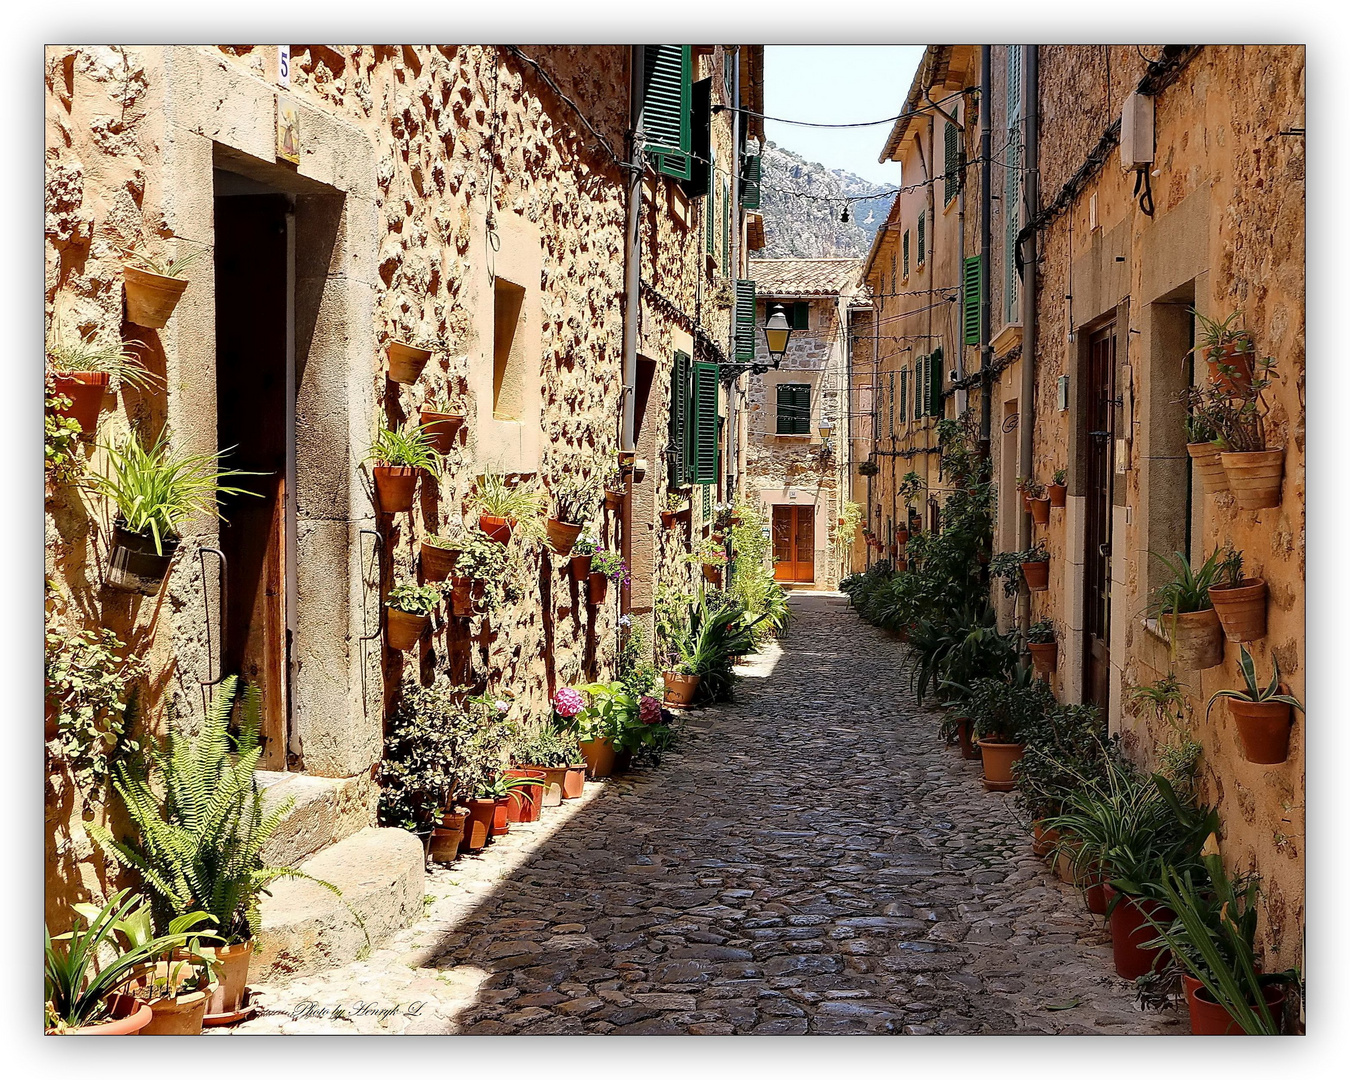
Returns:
(794, 544)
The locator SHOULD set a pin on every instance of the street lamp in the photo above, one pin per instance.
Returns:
(777, 330)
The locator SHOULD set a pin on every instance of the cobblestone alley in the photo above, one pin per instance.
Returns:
(812, 859)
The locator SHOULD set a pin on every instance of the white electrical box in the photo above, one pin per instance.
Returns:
(1136, 132)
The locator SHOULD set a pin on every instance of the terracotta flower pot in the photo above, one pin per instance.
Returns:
(613, 499)
(496, 528)
(1044, 655)
(231, 977)
(998, 763)
(526, 802)
(86, 390)
(969, 751)
(181, 1015)
(478, 825)
(668, 519)
(580, 567)
(1238, 382)
(133, 563)
(1197, 639)
(437, 562)
(1089, 879)
(597, 586)
(405, 629)
(599, 755)
(902, 536)
(1254, 478)
(1037, 575)
(465, 595)
(1130, 929)
(1058, 494)
(680, 689)
(1043, 840)
(574, 781)
(128, 1017)
(554, 776)
(712, 573)
(394, 487)
(1208, 466)
(151, 298)
(405, 361)
(1241, 609)
(1208, 1017)
(1263, 729)
(447, 837)
(1040, 511)
(562, 535)
(501, 816)
(441, 429)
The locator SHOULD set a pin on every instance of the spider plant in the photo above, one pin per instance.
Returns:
(523, 504)
(170, 268)
(100, 354)
(502, 786)
(1186, 590)
(1253, 691)
(155, 490)
(410, 449)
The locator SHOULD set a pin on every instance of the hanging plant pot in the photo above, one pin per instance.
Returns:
(969, 751)
(394, 487)
(501, 816)
(1239, 381)
(998, 763)
(1197, 639)
(668, 519)
(1263, 729)
(441, 429)
(1254, 478)
(437, 562)
(134, 565)
(599, 755)
(466, 596)
(574, 782)
(1040, 511)
(478, 824)
(405, 361)
(86, 390)
(448, 836)
(496, 528)
(1043, 840)
(1037, 575)
(1208, 1017)
(1241, 609)
(1044, 656)
(597, 586)
(1130, 929)
(151, 298)
(680, 689)
(1208, 466)
(1057, 494)
(712, 573)
(128, 1016)
(613, 499)
(580, 567)
(902, 536)
(562, 535)
(406, 629)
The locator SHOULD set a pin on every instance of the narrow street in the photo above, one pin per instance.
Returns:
(810, 859)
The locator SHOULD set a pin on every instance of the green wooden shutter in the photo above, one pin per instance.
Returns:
(972, 275)
(703, 460)
(918, 257)
(726, 229)
(905, 247)
(786, 400)
(679, 375)
(750, 186)
(710, 209)
(666, 108)
(919, 367)
(699, 182)
(801, 409)
(951, 162)
(801, 315)
(936, 378)
(904, 390)
(745, 321)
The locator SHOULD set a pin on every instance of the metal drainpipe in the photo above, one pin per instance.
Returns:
(733, 442)
(631, 301)
(986, 357)
(1025, 414)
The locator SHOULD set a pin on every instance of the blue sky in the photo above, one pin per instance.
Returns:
(838, 84)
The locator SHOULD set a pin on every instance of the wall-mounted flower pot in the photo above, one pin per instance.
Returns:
(86, 390)
(496, 528)
(1058, 494)
(574, 783)
(437, 562)
(1044, 655)
(1254, 478)
(685, 514)
(478, 824)
(1238, 382)
(562, 535)
(151, 298)
(1040, 511)
(1263, 729)
(998, 763)
(1208, 466)
(134, 565)
(441, 429)
(405, 629)
(712, 573)
(1037, 575)
(501, 816)
(580, 566)
(902, 536)
(448, 836)
(406, 362)
(613, 499)
(597, 586)
(394, 487)
(1241, 609)
(1130, 929)
(668, 519)
(1197, 639)
(1208, 1017)
(599, 755)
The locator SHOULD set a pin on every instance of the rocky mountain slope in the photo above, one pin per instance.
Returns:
(811, 227)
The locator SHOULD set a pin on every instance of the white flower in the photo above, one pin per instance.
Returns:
(503, 706)
(625, 620)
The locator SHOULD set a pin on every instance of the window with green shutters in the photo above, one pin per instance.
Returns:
(891, 428)
(699, 183)
(745, 321)
(750, 175)
(667, 106)
(703, 426)
(951, 162)
(936, 377)
(904, 247)
(904, 391)
(971, 278)
(1012, 186)
(918, 255)
(794, 409)
(677, 449)
(920, 370)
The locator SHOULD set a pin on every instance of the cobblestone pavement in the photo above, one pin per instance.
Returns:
(812, 859)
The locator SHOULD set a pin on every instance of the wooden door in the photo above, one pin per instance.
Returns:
(1098, 414)
(794, 544)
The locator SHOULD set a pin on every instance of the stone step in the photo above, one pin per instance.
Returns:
(325, 811)
(305, 928)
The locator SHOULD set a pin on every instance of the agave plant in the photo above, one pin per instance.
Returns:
(1253, 691)
(171, 268)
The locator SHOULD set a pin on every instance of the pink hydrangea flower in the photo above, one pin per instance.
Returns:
(649, 710)
(568, 701)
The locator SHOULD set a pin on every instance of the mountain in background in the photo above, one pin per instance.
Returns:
(810, 227)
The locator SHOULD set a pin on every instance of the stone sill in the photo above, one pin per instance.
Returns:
(1153, 627)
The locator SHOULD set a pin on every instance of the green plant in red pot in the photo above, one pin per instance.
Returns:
(85, 369)
(1263, 714)
(400, 457)
(1002, 714)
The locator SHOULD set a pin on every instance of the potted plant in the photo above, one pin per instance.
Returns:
(154, 492)
(1001, 712)
(83, 371)
(399, 456)
(440, 424)
(1066, 748)
(199, 832)
(711, 558)
(406, 361)
(606, 566)
(154, 286)
(1203, 412)
(438, 555)
(1254, 470)
(507, 791)
(573, 500)
(1042, 645)
(1182, 606)
(177, 983)
(614, 489)
(671, 514)
(527, 799)
(1227, 349)
(605, 726)
(1031, 490)
(410, 607)
(503, 509)
(1239, 601)
(1058, 489)
(1033, 565)
(1263, 715)
(549, 752)
(567, 703)
(583, 554)
(480, 566)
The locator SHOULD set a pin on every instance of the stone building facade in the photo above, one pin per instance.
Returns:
(430, 182)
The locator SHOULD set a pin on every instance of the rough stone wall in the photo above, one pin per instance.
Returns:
(860, 398)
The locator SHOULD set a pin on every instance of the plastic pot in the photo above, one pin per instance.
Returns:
(134, 565)
(1254, 478)
(151, 298)
(405, 629)
(1197, 639)
(998, 763)
(1263, 729)
(1241, 609)
(394, 487)
(1044, 655)
(562, 535)
(680, 689)
(599, 755)
(1208, 466)
(1037, 575)
(86, 390)
(1130, 929)
(405, 361)
(496, 528)
(441, 429)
